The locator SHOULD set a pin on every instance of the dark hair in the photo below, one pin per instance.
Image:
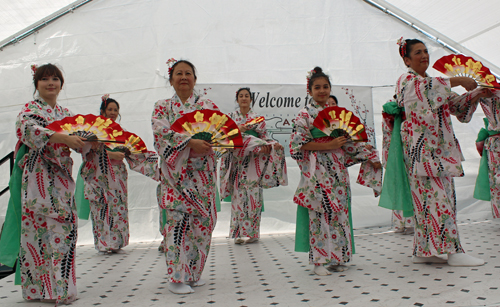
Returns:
(317, 73)
(405, 49)
(47, 70)
(334, 98)
(243, 89)
(171, 70)
(105, 104)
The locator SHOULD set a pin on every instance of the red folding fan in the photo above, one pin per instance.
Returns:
(133, 144)
(338, 121)
(212, 126)
(457, 65)
(94, 128)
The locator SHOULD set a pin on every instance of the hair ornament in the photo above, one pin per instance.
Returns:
(104, 98)
(171, 62)
(309, 76)
(33, 70)
(402, 46)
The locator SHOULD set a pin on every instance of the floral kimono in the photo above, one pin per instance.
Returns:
(106, 190)
(398, 221)
(324, 188)
(245, 172)
(491, 145)
(186, 191)
(432, 157)
(49, 221)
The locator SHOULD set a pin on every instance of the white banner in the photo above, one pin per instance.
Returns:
(279, 104)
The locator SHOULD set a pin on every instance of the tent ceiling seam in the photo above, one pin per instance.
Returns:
(479, 33)
(432, 34)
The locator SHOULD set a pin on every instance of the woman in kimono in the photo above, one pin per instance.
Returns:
(187, 182)
(488, 143)
(244, 172)
(324, 191)
(432, 155)
(106, 187)
(49, 220)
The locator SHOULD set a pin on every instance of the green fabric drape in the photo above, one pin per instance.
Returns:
(252, 133)
(396, 192)
(217, 199)
(482, 187)
(82, 204)
(10, 241)
(302, 220)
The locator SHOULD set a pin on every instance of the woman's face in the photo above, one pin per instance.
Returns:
(320, 90)
(244, 99)
(111, 111)
(49, 87)
(418, 59)
(183, 78)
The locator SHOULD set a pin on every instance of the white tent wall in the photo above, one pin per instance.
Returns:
(120, 47)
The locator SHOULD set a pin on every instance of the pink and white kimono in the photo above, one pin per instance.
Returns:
(490, 108)
(432, 157)
(186, 191)
(49, 219)
(245, 172)
(324, 188)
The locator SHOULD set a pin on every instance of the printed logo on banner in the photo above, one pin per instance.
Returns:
(279, 104)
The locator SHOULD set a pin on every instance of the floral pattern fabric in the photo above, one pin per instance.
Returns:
(49, 220)
(186, 191)
(324, 188)
(491, 110)
(432, 157)
(245, 171)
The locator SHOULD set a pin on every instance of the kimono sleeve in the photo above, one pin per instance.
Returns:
(262, 130)
(30, 127)
(300, 136)
(434, 92)
(168, 143)
(145, 163)
(462, 106)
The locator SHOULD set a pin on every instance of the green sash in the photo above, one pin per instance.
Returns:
(396, 192)
(252, 133)
(82, 204)
(482, 188)
(302, 220)
(10, 241)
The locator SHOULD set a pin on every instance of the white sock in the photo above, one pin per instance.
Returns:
(321, 270)
(198, 283)
(462, 259)
(180, 288)
(337, 268)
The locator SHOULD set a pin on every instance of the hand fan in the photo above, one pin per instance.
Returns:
(254, 121)
(338, 121)
(94, 128)
(457, 65)
(212, 126)
(132, 144)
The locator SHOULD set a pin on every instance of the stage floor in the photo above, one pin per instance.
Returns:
(271, 273)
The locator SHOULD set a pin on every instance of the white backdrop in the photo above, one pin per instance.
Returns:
(120, 47)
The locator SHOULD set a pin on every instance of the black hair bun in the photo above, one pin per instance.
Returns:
(318, 70)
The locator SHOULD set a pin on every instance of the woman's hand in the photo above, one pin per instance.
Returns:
(199, 146)
(72, 141)
(376, 165)
(368, 146)
(116, 155)
(265, 149)
(278, 146)
(467, 83)
(242, 128)
(337, 142)
(485, 93)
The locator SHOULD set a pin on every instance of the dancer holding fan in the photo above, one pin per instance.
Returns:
(188, 168)
(431, 153)
(246, 171)
(49, 224)
(105, 177)
(322, 144)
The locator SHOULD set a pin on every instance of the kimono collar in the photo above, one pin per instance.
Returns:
(250, 112)
(315, 104)
(412, 72)
(44, 104)
(191, 100)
